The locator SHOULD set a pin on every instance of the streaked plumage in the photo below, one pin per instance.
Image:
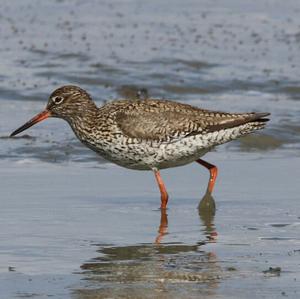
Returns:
(147, 134)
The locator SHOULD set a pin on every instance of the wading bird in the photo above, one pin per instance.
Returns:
(147, 134)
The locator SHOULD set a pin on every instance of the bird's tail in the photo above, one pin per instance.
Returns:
(255, 121)
(236, 125)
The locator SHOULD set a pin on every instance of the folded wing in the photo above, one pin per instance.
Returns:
(167, 121)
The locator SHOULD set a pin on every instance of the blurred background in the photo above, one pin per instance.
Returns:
(232, 56)
(75, 226)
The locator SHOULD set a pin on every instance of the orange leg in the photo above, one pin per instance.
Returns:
(213, 170)
(163, 191)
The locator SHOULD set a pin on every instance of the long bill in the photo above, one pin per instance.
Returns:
(39, 117)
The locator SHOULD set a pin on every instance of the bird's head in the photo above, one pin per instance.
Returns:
(66, 102)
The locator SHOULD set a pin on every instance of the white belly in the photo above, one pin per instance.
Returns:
(149, 155)
(146, 154)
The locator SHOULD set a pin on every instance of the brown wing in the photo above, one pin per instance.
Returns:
(170, 121)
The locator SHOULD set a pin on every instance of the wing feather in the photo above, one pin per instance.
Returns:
(168, 121)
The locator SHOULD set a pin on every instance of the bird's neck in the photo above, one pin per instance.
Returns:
(83, 122)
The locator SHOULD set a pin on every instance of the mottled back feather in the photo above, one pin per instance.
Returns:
(168, 121)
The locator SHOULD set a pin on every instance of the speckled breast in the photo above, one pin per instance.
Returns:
(147, 155)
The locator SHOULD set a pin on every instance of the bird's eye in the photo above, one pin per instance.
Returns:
(57, 100)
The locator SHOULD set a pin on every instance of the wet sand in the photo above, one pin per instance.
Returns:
(74, 226)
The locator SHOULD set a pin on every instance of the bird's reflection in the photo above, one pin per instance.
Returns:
(150, 270)
(163, 226)
(206, 211)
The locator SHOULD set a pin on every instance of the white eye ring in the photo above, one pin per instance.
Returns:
(57, 100)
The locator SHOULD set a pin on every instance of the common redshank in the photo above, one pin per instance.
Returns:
(147, 134)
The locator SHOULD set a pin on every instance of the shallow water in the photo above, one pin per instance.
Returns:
(84, 232)
(74, 226)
